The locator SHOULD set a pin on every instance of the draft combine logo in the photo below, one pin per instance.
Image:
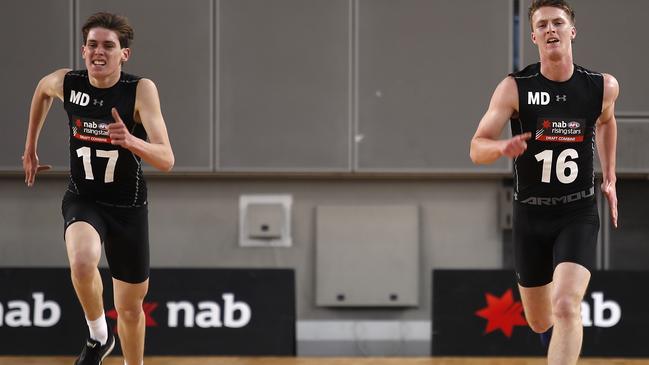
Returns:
(560, 130)
(90, 130)
(502, 313)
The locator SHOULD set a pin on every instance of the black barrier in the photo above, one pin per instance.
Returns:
(188, 312)
(478, 313)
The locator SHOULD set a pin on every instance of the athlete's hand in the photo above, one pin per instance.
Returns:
(608, 189)
(516, 145)
(31, 167)
(118, 133)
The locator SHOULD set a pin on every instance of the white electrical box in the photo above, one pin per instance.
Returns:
(265, 220)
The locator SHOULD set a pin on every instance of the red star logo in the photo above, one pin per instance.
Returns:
(546, 124)
(148, 309)
(78, 123)
(502, 313)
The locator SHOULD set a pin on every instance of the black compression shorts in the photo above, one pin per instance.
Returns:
(544, 237)
(124, 232)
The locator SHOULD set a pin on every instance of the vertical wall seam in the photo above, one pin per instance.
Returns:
(74, 9)
(354, 79)
(215, 90)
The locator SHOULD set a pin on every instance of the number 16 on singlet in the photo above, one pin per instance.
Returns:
(566, 170)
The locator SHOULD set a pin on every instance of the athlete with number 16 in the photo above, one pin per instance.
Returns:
(558, 111)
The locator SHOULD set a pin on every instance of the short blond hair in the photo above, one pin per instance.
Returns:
(561, 4)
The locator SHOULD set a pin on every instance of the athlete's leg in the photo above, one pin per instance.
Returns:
(537, 305)
(130, 318)
(570, 283)
(84, 251)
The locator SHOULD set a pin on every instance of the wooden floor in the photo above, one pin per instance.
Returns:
(317, 361)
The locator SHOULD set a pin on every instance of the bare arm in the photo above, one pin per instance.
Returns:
(48, 88)
(157, 151)
(607, 141)
(486, 147)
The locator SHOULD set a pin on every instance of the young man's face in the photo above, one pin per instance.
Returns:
(103, 53)
(552, 31)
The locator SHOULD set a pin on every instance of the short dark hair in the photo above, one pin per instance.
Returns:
(117, 23)
(561, 4)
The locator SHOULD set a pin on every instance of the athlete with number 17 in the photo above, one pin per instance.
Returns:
(115, 121)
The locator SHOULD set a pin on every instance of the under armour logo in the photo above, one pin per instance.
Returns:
(95, 102)
(562, 98)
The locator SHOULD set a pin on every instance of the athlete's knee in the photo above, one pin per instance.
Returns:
(539, 325)
(130, 312)
(83, 259)
(538, 320)
(566, 307)
(82, 267)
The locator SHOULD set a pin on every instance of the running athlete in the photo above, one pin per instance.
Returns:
(115, 121)
(558, 112)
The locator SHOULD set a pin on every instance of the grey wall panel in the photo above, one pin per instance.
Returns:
(38, 42)
(174, 47)
(632, 150)
(611, 38)
(31, 231)
(284, 85)
(426, 72)
(367, 255)
(632, 154)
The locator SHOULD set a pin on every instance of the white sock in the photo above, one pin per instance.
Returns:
(127, 364)
(98, 329)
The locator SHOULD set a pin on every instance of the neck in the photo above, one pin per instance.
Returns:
(560, 69)
(105, 81)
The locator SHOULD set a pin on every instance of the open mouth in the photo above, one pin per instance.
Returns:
(552, 41)
(99, 62)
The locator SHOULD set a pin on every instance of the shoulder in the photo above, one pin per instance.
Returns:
(507, 86)
(505, 97)
(52, 84)
(610, 81)
(146, 96)
(58, 75)
(145, 83)
(507, 90)
(146, 88)
(63, 71)
(611, 88)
